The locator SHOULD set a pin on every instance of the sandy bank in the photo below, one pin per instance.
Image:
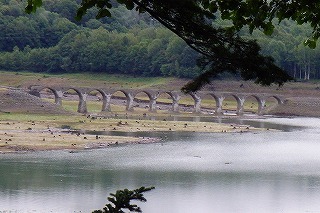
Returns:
(28, 123)
(40, 132)
(23, 141)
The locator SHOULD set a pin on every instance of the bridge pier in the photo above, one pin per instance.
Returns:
(219, 100)
(197, 102)
(82, 106)
(175, 103)
(58, 94)
(197, 106)
(106, 99)
(152, 104)
(130, 99)
(240, 102)
(153, 96)
(261, 106)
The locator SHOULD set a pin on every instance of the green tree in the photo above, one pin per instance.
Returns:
(122, 198)
(222, 49)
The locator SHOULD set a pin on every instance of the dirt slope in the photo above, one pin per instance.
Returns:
(20, 101)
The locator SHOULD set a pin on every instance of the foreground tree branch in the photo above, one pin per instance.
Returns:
(122, 200)
(222, 49)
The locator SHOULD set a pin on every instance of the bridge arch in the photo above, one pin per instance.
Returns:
(82, 98)
(190, 103)
(66, 91)
(100, 91)
(229, 106)
(125, 96)
(169, 93)
(148, 93)
(254, 104)
(57, 94)
(140, 100)
(207, 105)
(270, 102)
(228, 101)
(94, 97)
(168, 98)
(277, 98)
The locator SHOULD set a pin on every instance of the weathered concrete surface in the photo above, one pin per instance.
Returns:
(153, 95)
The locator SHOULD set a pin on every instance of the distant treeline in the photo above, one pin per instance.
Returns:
(51, 41)
(128, 43)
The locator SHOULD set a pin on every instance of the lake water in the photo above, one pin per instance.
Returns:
(192, 172)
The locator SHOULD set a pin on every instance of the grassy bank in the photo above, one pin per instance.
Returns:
(23, 79)
(30, 132)
(17, 121)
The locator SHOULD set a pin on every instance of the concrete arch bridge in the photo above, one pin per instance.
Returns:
(153, 95)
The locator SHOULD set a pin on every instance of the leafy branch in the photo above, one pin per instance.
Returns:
(122, 198)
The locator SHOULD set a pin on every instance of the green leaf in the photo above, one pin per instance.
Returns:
(129, 5)
(103, 13)
(268, 28)
(311, 43)
(37, 3)
(80, 13)
(140, 9)
(205, 4)
(225, 15)
(213, 7)
(109, 5)
(29, 9)
(33, 5)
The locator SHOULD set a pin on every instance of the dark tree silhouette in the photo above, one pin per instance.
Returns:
(222, 49)
(122, 198)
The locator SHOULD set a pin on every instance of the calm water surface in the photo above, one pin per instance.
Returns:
(192, 173)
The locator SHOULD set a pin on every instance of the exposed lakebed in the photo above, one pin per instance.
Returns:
(265, 171)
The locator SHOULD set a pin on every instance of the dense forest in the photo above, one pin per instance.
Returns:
(128, 43)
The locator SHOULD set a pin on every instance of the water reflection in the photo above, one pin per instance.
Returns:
(245, 120)
(192, 172)
(258, 123)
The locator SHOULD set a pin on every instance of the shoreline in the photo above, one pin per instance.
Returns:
(85, 133)
(13, 141)
(29, 123)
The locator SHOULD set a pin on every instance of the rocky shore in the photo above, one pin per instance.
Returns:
(50, 133)
(16, 100)
(28, 123)
(298, 106)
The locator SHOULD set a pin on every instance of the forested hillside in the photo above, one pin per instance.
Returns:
(128, 43)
